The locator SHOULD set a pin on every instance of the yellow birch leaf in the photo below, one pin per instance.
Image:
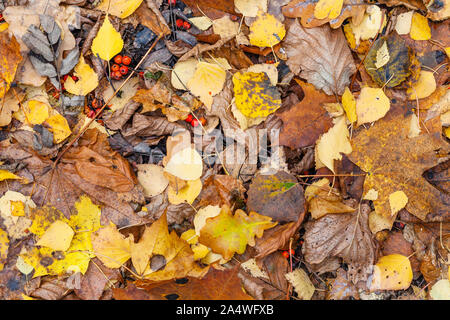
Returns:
(17, 209)
(38, 112)
(441, 290)
(119, 8)
(333, 143)
(254, 95)
(87, 79)
(4, 246)
(59, 127)
(328, 9)
(182, 72)
(108, 41)
(4, 175)
(111, 247)
(266, 31)
(349, 105)
(185, 164)
(228, 234)
(207, 81)
(420, 29)
(371, 105)
(186, 194)
(57, 237)
(397, 201)
(392, 272)
(424, 87)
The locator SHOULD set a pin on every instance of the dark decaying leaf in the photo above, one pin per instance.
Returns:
(342, 235)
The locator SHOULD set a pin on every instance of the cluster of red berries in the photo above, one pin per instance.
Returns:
(92, 109)
(64, 78)
(119, 68)
(194, 122)
(182, 24)
(1, 18)
(286, 253)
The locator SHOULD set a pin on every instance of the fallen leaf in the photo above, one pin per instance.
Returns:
(59, 127)
(340, 288)
(440, 290)
(87, 81)
(4, 247)
(250, 8)
(5, 175)
(369, 26)
(216, 285)
(400, 168)
(301, 283)
(57, 237)
(119, 8)
(186, 194)
(371, 105)
(392, 272)
(397, 201)
(342, 235)
(328, 9)
(321, 56)
(221, 189)
(228, 234)
(151, 178)
(10, 104)
(403, 23)
(277, 196)
(331, 144)
(225, 27)
(349, 105)
(202, 23)
(254, 95)
(185, 164)
(266, 30)
(108, 41)
(424, 87)
(304, 122)
(11, 57)
(420, 30)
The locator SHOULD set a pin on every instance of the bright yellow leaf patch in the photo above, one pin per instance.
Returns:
(59, 127)
(392, 272)
(420, 29)
(266, 31)
(108, 41)
(87, 79)
(186, 194)
(57, 237)
(349, 105)
(119, 8)
(371, 105)
(328, 9)
(4, 246)
(397, 201)
(4, 175)
(424, 87)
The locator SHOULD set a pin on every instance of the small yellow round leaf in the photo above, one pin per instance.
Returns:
(371, 105)
(424, 87)
(397, 201)
(186, 164)
(151, 178)
(57, 237)
(87, 79)
(38, 112)
(392, 272)
(266, 31)
(420, 30)
(187, 194)
(108, 41)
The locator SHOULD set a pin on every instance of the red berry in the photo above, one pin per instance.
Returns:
(126, 60)
(94, 103)
(172, 2)
(179, 23)
(189, 118)
(117, 75)
(118, 59)
(194, 123)
(123, 70)
(65, 77)
(234, 18)
(286, 254)
(91, 114)
(74, 78)
(292, 251)
(115, 67)
(186, 25)
(202, 121)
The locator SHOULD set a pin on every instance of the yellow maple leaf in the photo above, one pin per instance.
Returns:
(119, 8)
(4, 246)
(392, 272)
(59, 127)
(328, 9)
(266, 30)
(228, 234)
(46, 260)
(87, 79)
(371, 105)
(207, 81)
(420, 29)
(254, 94)
(108, 41)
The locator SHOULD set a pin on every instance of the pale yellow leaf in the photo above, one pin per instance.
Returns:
(441, 290)
(151, 178)
(301, 283)
(186, 164)
(57, 237)
(397, 201)
(87, 79)
(371, 105)
(203, 23)
(420, 29)
(249, 8)
(424, 87)
(203, 214)
(403, 24)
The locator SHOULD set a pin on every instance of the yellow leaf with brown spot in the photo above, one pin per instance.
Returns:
(328, 9)
(392, 272)
(371, 105)
(9, 60)
(87, 79)
(266, 31)
(255, 96)
(108, 41)
(228, 234)
(394, 162)
(4, 247)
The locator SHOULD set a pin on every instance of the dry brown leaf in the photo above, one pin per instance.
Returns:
(396, 244)
(321, 56)
(342, 235)
(304, 9)
(304, 122)
(394, 162)
(221, 189)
